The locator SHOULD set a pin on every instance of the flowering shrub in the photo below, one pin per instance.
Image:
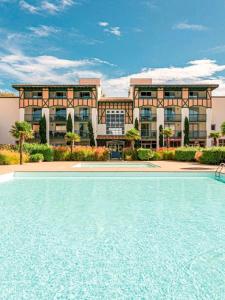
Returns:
(130, 154)
(86, 153)
(61, 153)
(198, 155)
(8, 157)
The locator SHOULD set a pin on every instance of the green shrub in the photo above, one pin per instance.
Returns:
(44, 149)
(130, 154)
(186, 153)
(8, 157)
(156, 156)
(168, 155)
(145, 154)
(213, 156)
(61, 153)
(38, 157)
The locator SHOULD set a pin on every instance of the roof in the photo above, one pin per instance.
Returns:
(18, 86)
(212, 86)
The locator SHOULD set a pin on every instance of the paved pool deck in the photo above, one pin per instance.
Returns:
(163, 166)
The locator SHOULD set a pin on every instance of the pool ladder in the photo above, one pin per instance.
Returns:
(219, 170)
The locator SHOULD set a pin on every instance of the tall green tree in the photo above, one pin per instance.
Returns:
(168, 133)
(222, 127)
(91, 134)
(137, 144)
(21, 131)
(161, 141)
(215, 135)
(69, 124)
(72, 138)
(186, 131)
(42, 130)
(133, 135)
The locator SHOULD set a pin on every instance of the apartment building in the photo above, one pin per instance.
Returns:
(153, 105)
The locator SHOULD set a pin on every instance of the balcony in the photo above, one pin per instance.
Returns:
(57, 135)
(172, 118)
(197, 134)
(148, 134)
(176, 134)
(32, 118)
(84, 134)
(194, 118)
(148, 118)
(57, 118)
(82, 118)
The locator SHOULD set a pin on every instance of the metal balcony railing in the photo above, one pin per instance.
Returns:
(197, 118)
(32, 117)
(83, 134)
(197, 134)
(148, 134)
(148, 118)
(172, 118)
(82, 118)
(57, 135)
(57, 118)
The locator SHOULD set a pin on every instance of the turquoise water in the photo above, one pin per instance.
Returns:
(112, 236)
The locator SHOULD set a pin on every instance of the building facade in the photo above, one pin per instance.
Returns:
(152, 105)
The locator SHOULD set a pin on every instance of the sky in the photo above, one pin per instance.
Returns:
(59, 41)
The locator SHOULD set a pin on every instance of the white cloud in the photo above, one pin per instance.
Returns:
(188, 26)
(103, 24)
(43, 30)
(51, 7)
(197, 71)
(114, 31)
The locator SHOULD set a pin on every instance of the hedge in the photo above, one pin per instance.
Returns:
(44, 149)
(38, 157)
(213, 156)
(8, 157)
(186, 153)
(145, 154)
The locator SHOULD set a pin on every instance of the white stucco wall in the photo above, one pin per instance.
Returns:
(9, 114)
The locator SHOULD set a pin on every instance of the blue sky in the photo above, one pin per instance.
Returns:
(62, 40)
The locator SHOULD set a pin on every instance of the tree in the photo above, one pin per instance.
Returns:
(161, 142)
(186, 131)
(72, 138)
(69, 124)
(222, 127)
(91, 134)
(215, 135)
(133, 135)
(42, 130)
(137, 144)
(167, 132)
(21, 131)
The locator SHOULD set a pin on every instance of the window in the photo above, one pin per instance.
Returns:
(36, 114)
(172, 94)
(146, 94)
(197, 94)
(213, 127)
(57, 94)
(60, 114)
(146, 114)
(84, 114)
(33, 94)
(115, 120)
(85, 95)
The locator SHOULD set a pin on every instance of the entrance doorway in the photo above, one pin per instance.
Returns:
(116, 149)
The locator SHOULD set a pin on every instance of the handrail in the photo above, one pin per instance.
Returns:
(219, 170)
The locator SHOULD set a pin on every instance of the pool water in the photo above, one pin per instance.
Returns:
(112, 236)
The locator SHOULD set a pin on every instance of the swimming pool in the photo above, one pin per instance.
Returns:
(112, 236)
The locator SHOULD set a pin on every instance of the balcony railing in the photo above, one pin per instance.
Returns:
(197, 118)
(148, 134)
(197, 134)
(83, 134)
(57, 135)
(149, 118)
(176, 134)
(82, 118)
(172, 118)
(57, 118)
(32, 117)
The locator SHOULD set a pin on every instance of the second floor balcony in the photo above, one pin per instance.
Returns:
(58, 118)
(82, 118)
(148, 134)
(148, 118)
(197, 118)
(32, 118)
(172, 118)
(84, 134)
(198, 134)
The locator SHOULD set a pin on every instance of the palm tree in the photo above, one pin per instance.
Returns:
(223, 129)
(21, 131)
(215, 135)
(168, 133)
(133, 135)
(72, 138)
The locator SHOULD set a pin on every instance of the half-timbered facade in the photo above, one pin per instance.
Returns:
(152, 105)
